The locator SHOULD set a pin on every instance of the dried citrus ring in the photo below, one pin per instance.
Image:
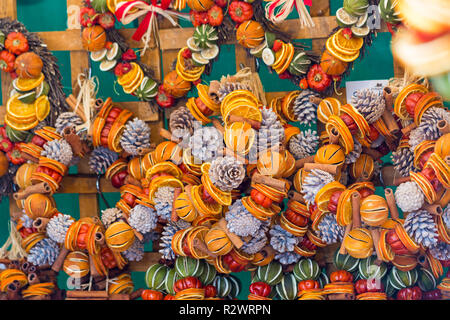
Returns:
(197, 233)
(20, 126)
(324, 194)
(399, 104)
(204, 208)
(441, 169)
(192, 106)
(204, 96)
(280, 56)
(304, 252)
(135, 83)
(185, 208)
(114, 136)
(428, 100)
(360, 121)
(105, 109)
(289, 56)
(163, 181)
(316, 240)
(164, 167)
(128, 77)
(287, 225)
(338, 287)
(345, 137)
(344, 208)
(243, 110)
(23, 84)
(425, 186)
(372, 296)
(421, 149)
(386, 252)
(239, 137)
(404, 237)
(20, 111)
(299, 179)
(443, 233)
(340, 54)
(123, 116)
(287, 105)
(42, 107)
(249, 96)
(352, 44)
(220, 266)
(222, 197)
(327, 107)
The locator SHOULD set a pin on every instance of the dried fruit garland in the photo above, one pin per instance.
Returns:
(36, 99)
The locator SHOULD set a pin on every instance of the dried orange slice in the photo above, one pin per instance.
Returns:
(20, 126)
(204, 96)
(239, 137)
(164, 181)
(196, 113)
(127, 78)
(289, 56)
(135, 83)
(19, 110)
(243, 110)
(164, 167)
(325, 193)
(42, 107)
(348, 46)
(23, 84)
(345, 57)
(399, 104)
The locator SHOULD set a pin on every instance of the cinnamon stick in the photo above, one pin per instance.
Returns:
(216, 123)
(60, 259)
(356, 202)
(86, 294)
(269, 181)
(174, 217)
(12, 291)
(136, 294)
(294, 195)
(389, 194)
(334, 136)
(166, 134)
(40, 224)
(434, 209)
(443, 126)
(447, 160)
(119, 296)
(237, 242)
(342, 249)
(98, 104)
(99, 239)
(300, 163)
(315, 100)
(406, 130)
(28, 157)
(201, 246)
(400, 180)
(129, 179)
(72, 103)
(42, 187)
(330, 168)
(24, 266)
(33, 278)
(253, 123)
(142, 151)
(388, 98)
(390, 122)
(375, 154)
(376, 238)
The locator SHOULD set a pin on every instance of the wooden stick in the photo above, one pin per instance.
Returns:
(390, 122)
(86, 294)
(237, 242)
(174, 216)
(434, 209)
(253, 123)
(92, 268)
(269, 181)
(389, 194)
(330, 168)
(388, 98)
(28, 157)
(342, 249)
(406, 130)
(42, 187)
(356, 202)
(119, 296)
(294, 195)
(216, 123)
(60, 259)
(300, 163)
(443, 126)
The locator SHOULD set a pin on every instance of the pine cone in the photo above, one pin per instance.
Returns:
(101, 158)
(315, 181)
(303, 144)
(44, 252)
(441, 251)
(329, 230)
(181, 123)
(205, 143)
(135, 136)
(416, 136)
(403, 160)
(163, 200)
(421, 227)
(271, 132)
(26, 221)
(446, 217)
(409, 197)
(282, 240)
(166, 239)
(370, 103)
(58, 150)
(255, 244)
(110, 215)
(67, 119)
(240, 221)
(226, 173)
(304, 110)
(143, 219)
(230, 86)
(57, 227)
(135, 252)
(287, 258)
(355, 153)
(429, 121)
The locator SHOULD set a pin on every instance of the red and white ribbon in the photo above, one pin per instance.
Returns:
(278, 10)
(127, 12)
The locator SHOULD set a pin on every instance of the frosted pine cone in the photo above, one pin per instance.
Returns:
(416, 136)
(370, 103)
(181, 123)
(226, 173)
(229, 86)
(441, 251)
(305, 111)
(166, 238)
(135, 136)
(110, 215)
(59, 150)
(422, 228)
(446, 217)
(329, 230)
(143, 219)
(101, 158)
(26, 221)
(355, 153)
(409, 197)
(240, 221)
(135, 252)
(255, 244)
(282, 240)
(403, 160)
(163, 199)
(67, 119)
(315, 181)
(303, 144)
(44, 252)
(205, 143)
(57, 227)
(287, 258)
(271, 132)
(429, 121)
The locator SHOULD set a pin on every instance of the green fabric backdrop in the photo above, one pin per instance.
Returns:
(50, 15)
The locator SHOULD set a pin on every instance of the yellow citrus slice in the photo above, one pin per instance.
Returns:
(127, 78)
(19, 110)
(42, 107)
(341, 56)
(352, 44)
(135, 83)
(245, 111)
(20, 126)
(28, 84)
